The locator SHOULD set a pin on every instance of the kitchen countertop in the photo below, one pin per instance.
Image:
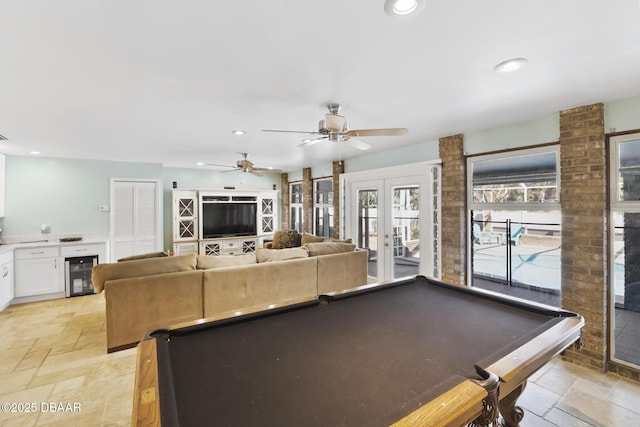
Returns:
(10, 246)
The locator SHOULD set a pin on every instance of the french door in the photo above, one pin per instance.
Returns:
(391, 218)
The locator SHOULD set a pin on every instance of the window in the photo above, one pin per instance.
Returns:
(323, 207)
(515, 224)
(295, 204)
(625, 247)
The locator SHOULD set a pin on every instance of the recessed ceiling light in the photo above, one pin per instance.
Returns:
(403, 7)
(238, 132)
(510, 65)
(34, 152)
(200, 164)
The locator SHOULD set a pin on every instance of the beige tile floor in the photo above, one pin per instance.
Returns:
(54, 352)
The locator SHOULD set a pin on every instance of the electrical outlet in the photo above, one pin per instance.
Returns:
(44, 228)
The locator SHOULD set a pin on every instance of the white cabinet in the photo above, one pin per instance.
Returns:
(231, 246)
(184, 248)
(85, 249)
(2, 183)
(185, 215)
(267, 212)
(193, 232)
(6, 279)
(185, 221)
(38, 271)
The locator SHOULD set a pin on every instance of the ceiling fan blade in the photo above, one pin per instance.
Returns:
(255, 172)
(309, 142)
(292, 131)
(378, 132)
(221, 166)
(356, 143)
(267, 170)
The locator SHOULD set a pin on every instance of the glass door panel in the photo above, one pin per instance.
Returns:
(368, 227)
(406, 230)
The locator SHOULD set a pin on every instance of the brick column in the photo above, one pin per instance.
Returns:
(284, 193)
(583, 199)
(307, 201)
(338, 168)
(454, 215)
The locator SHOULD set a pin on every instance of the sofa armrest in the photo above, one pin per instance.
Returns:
(342, 271)
(138, 305)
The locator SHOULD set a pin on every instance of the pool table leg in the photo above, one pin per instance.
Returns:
(512, 414)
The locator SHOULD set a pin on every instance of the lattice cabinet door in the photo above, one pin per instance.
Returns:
(185, 215)
(267, 220)
(210, 248)
(248, 246)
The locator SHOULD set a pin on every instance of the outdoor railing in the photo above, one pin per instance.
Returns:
(525, 254)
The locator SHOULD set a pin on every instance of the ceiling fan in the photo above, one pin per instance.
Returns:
(245, 165)
(335, 128)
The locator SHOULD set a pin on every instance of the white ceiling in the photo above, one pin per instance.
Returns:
(166, 81)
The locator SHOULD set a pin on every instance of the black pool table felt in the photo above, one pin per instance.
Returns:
(363, 360)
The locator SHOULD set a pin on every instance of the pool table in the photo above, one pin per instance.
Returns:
(412, 352)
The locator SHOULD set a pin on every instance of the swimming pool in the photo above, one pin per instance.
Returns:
(543, 271)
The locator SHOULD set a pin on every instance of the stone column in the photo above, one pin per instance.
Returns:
(583, 200)
(307, 201)
(284, 193)
(454, 222)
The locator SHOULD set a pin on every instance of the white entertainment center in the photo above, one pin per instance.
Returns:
(222, 222)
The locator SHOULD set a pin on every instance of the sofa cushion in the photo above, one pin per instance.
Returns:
(140, 267)
(206, 262)
(339, 240)
(310, 238)
(144, 256)
(268, 255)
(325, 248)
(286, 239)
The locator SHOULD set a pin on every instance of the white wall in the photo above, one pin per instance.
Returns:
(66, 193)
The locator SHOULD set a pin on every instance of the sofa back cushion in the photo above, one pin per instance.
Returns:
(144, 256)
(250, 287)
(141, 267)
(310, 238)
(269, 255)
(326, 248)
(211, 261)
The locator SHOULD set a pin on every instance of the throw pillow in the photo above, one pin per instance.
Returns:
(269, 255)
(286, 239)
(210, 261)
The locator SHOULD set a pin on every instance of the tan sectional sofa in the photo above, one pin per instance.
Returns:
(146, 294)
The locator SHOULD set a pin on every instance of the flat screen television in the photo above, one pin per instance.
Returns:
(229, 219)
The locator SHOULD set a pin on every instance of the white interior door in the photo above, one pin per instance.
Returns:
(135, 217)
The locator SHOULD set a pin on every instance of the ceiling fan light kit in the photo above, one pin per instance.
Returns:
(335, 128)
